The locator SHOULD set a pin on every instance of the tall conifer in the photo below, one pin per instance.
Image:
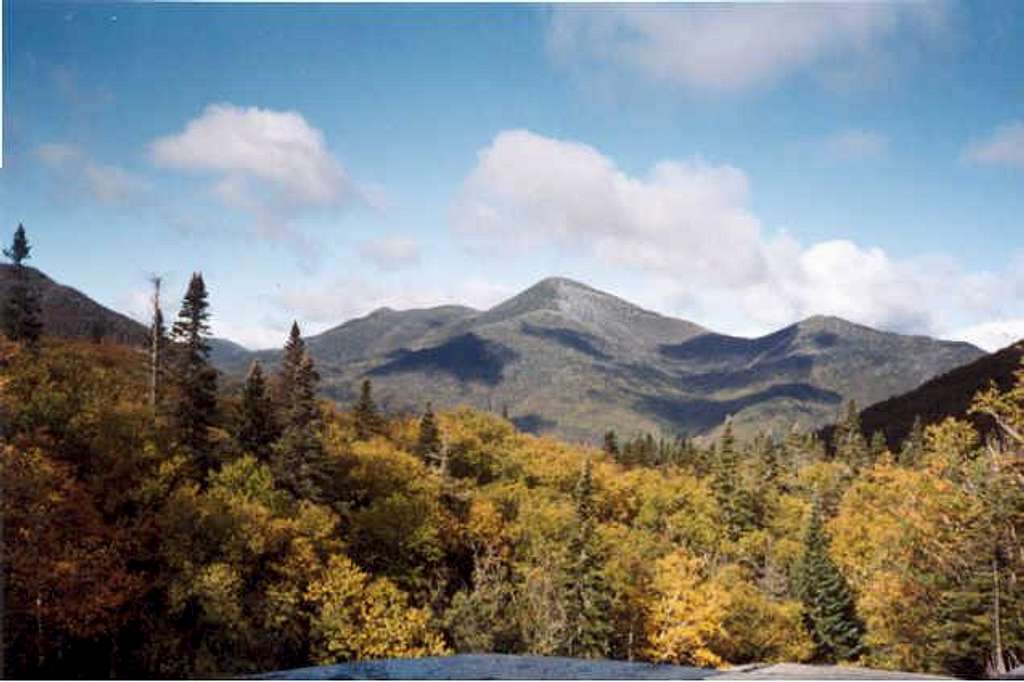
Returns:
(588, 599)
(368, 421)
(21, 314)
(829, 610)
(257, 429)
(196, 379)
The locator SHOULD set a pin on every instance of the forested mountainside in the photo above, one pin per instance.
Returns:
(566, 359)
(947, 395)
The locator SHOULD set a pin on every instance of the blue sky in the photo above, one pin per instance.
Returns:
(742, 166)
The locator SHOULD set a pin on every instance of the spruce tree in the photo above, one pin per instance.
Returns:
(830, 613)
(196, 379)
(588, 598)
(257, 429)
(850, 444)
(732, 496)
(913, 445)
(428, 444)
(300, 462)
(878, 445)
(21, 311)
(294, 350)
(368, 421)
(611, 444)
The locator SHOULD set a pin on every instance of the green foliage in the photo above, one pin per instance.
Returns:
(829, 609)
(127, 552)
(587, 596)
(195, 377)
(367, 419)
(21, 313)
(257, 427)
(428, 442)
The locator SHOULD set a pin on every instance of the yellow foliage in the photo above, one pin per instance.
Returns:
(684, 613)
(357, 617)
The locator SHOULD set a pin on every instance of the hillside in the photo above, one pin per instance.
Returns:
(947, 395)
(68, 313)
(566, 358)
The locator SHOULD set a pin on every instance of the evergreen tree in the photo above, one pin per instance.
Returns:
(830, 613)
(850, 445)
(300, 462)
(196, 379)
(21, 311)
(367, 420)
(294, 350)
(732, 496)
(428, 444)
(611, 444)
(257, 429)
(913, 445)
(878, 445)
(588, 598)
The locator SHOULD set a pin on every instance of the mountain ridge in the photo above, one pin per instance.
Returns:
(564, 357)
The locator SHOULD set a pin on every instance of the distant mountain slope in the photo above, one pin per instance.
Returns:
(947, 395)
(69, 313)
(564, 357)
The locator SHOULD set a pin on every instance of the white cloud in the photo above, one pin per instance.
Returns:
(246, 145)
(992, 335)
(533, 189)
(270, 165)
(392, 253)
(78, 174)
(321, 305)
(1004, 147)
(854, 145)
(688, 227)
(729, 48)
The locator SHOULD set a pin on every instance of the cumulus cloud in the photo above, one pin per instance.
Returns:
(992, 335)
(392, 252)
(270, 165)
(79, 175)
(687, 225)
(323, 305)
(682, 214)
(1004, 147)
(855, 145)
(730, 48)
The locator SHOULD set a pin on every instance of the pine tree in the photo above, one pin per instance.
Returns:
(830, 613)
(196, 379)
(611, 444)
(588, 599)
(732, 496)
(878, 445)
(367, 420)
(428, 444)
(913, 445)
(300, 462)
(850, 445)
(21, 311)
(294, 350)
(257, 429)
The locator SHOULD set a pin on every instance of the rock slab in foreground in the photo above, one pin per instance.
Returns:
(507, 667)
